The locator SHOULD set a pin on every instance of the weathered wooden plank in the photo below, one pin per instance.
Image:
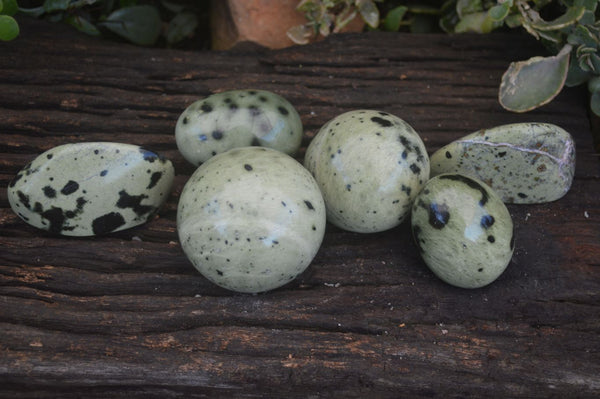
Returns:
(128, 316)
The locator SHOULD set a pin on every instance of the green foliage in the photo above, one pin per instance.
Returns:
(141, 23)
(9, 28)
(570, 29)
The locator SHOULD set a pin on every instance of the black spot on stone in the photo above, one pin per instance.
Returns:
(491, 239)
(480, 269)
(49, 156)
(501, 154)
(255, 142)
(154, 179)
(487, 221)
(283, 110)
(283, 203)
(415, 169)
(404, 141)
(248, 167)
(103, 173)
(149, 155)
(233, 106)
(263, 99)
(471, 183)
(80, 203)
(217, 135)
(381, 122)
(96, 152)
(38, 208)
(349, 187)
(220, 273)
(70, 187)
(185, 120)
(252, 92)
(107, 223)
(404, 154)
(448, 155)
(134, 202)
(309, 205)
(522, 195)
(254, 110)
(439, 215)
(49, 192)
(206, 107)
(23, 199)
(56, 218)
(15, 180)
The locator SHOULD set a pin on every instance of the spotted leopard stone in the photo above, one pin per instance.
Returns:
(251, 219)
(463, 230)
(237, 118)
(88, 189)
(370, 165)
(525, 163)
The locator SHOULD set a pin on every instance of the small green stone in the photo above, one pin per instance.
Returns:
(370, 165)
(237, 118)
(251, 219)
(525, 163)
(463, 230)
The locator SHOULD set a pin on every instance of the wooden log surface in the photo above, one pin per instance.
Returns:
(126, 315)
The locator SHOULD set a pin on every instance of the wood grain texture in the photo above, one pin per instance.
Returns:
(127, 315)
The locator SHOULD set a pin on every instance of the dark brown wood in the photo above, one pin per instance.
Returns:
(127, 315)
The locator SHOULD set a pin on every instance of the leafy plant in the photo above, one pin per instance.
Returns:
(138, 22)
(330, 16)
(572, 34)
(9, 28)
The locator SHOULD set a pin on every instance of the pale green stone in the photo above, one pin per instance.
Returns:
(370, 165)
(525, 163)
(463, 230)
(237, 118)
(87, 189)
(251, 219)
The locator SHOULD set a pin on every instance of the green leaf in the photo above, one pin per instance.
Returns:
(569, 18)
(529, 84)
(300, 34)
(56, 5)
(479, 22)
(9, 7)
(595, 103)
(576, 75)
(140, 25)
(466, 7)
(9, 28)
(369, 12)
(82, 25)
(594, 84)
(581, 35)
(392, 20)
(181, 26)
(35, 12)
(499, 12)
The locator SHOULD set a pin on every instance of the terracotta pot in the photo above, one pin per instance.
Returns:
(265, 22)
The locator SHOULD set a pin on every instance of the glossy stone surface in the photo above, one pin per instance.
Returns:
(87, 189)
(525, 163)
(370, 165)
(251, 219)
(237, 118)
(463, 230)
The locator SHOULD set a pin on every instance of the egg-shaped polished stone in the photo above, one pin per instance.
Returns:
(525, 163)
(251, 219)
(370, 165)
(87, 189)
(237, 118)
(463, 230)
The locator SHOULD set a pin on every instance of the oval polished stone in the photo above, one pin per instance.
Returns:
(251, 219)
(87, 189)
(237, 118)
(525, 163)
(370, 165)
(463, 230)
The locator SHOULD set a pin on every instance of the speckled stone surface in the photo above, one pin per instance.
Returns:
(87, 189)
(370, 165)
(251, 219)
(237, 118)
(525, 163)
(463, 230)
